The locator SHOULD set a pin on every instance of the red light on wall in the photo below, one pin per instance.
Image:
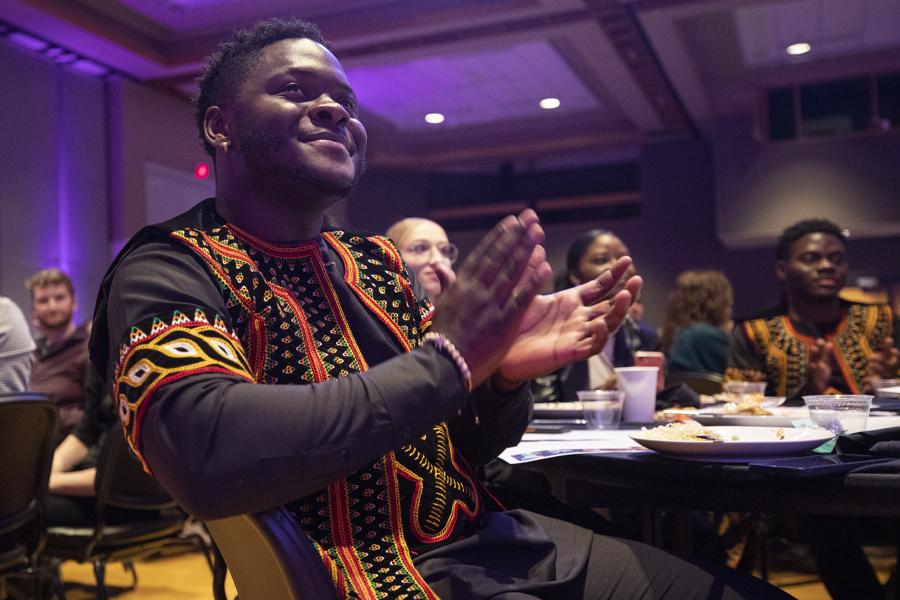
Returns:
(202, 171)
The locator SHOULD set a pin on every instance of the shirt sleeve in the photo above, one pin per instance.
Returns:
(743, 360)
(502, 420)
(223, 446)
(16, 345)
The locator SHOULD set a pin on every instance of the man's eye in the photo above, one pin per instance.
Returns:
(292, 88)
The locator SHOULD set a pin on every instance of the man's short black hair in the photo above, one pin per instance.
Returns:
(227, 67)
(798, 230)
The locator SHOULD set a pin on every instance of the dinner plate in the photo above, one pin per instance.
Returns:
(752, 442)
(557, 410)
(772, 401)
(781, 416)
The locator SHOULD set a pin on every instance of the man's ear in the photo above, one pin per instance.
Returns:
(216, 128)
(781, 269)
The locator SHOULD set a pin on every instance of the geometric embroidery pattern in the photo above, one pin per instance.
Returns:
(289, 328)
(859, 333)
(164, 349)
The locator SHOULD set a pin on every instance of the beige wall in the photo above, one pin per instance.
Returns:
(72, 163)
(53, 176)
(853, 180)
(153, 126)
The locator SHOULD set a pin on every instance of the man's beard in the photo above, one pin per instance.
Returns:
(59, 325)
(267, 172)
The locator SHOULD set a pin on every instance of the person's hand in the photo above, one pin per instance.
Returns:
(818, 374)
(568, 326)
(481, 311)
(445, 274)
(885, 363)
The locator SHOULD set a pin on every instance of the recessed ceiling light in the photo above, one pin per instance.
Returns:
(549, 103)
(27, 41)
(434, 118)
(801, 48)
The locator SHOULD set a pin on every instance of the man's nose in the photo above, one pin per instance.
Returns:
(326, 109)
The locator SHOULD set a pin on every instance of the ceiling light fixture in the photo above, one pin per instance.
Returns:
(434, 118)
(801, 48)
(549, 103)
(58, 54)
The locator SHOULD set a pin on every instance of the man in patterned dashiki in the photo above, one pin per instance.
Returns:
(815, 342)
(259, 360)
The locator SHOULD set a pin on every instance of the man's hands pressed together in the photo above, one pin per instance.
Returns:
(499, 324)
(818, 374)
(480, 312)
(568, 326)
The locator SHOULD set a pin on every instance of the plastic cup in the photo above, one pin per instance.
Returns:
(740, 389)
(839, 413)
(602, 409)
(880, 384)
(639, 385)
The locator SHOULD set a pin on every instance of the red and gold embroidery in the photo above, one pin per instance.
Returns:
(176, 347)
(786, 351)
(287, 316)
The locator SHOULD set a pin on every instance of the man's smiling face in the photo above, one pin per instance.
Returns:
(296, 121)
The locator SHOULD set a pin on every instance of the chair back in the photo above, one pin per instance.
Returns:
(28, 425)
(702, 383)
(270, 558)
(121, 480)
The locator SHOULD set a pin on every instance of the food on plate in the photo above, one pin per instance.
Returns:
(689, 431)
(676, 412)
(752, 404)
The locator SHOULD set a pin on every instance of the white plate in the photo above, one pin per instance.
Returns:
(557, 410)
(753, 442)
(782, 416)
(773, 401)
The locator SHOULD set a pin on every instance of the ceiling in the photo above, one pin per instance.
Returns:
(623, 71)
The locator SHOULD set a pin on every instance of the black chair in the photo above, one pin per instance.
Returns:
(28, 425)
(270, 558)
(702, 383)
(122, 482)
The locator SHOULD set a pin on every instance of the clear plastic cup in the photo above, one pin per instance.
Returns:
(601, 409)
(744, 388)
(840, 413)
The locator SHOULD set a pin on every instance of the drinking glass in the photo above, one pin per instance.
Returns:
(839, 413)
(602, 409)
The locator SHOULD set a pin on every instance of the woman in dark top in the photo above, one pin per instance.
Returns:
(698, 317)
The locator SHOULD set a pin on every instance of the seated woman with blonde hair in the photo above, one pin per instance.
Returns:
(427, 252)
(698, 318)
